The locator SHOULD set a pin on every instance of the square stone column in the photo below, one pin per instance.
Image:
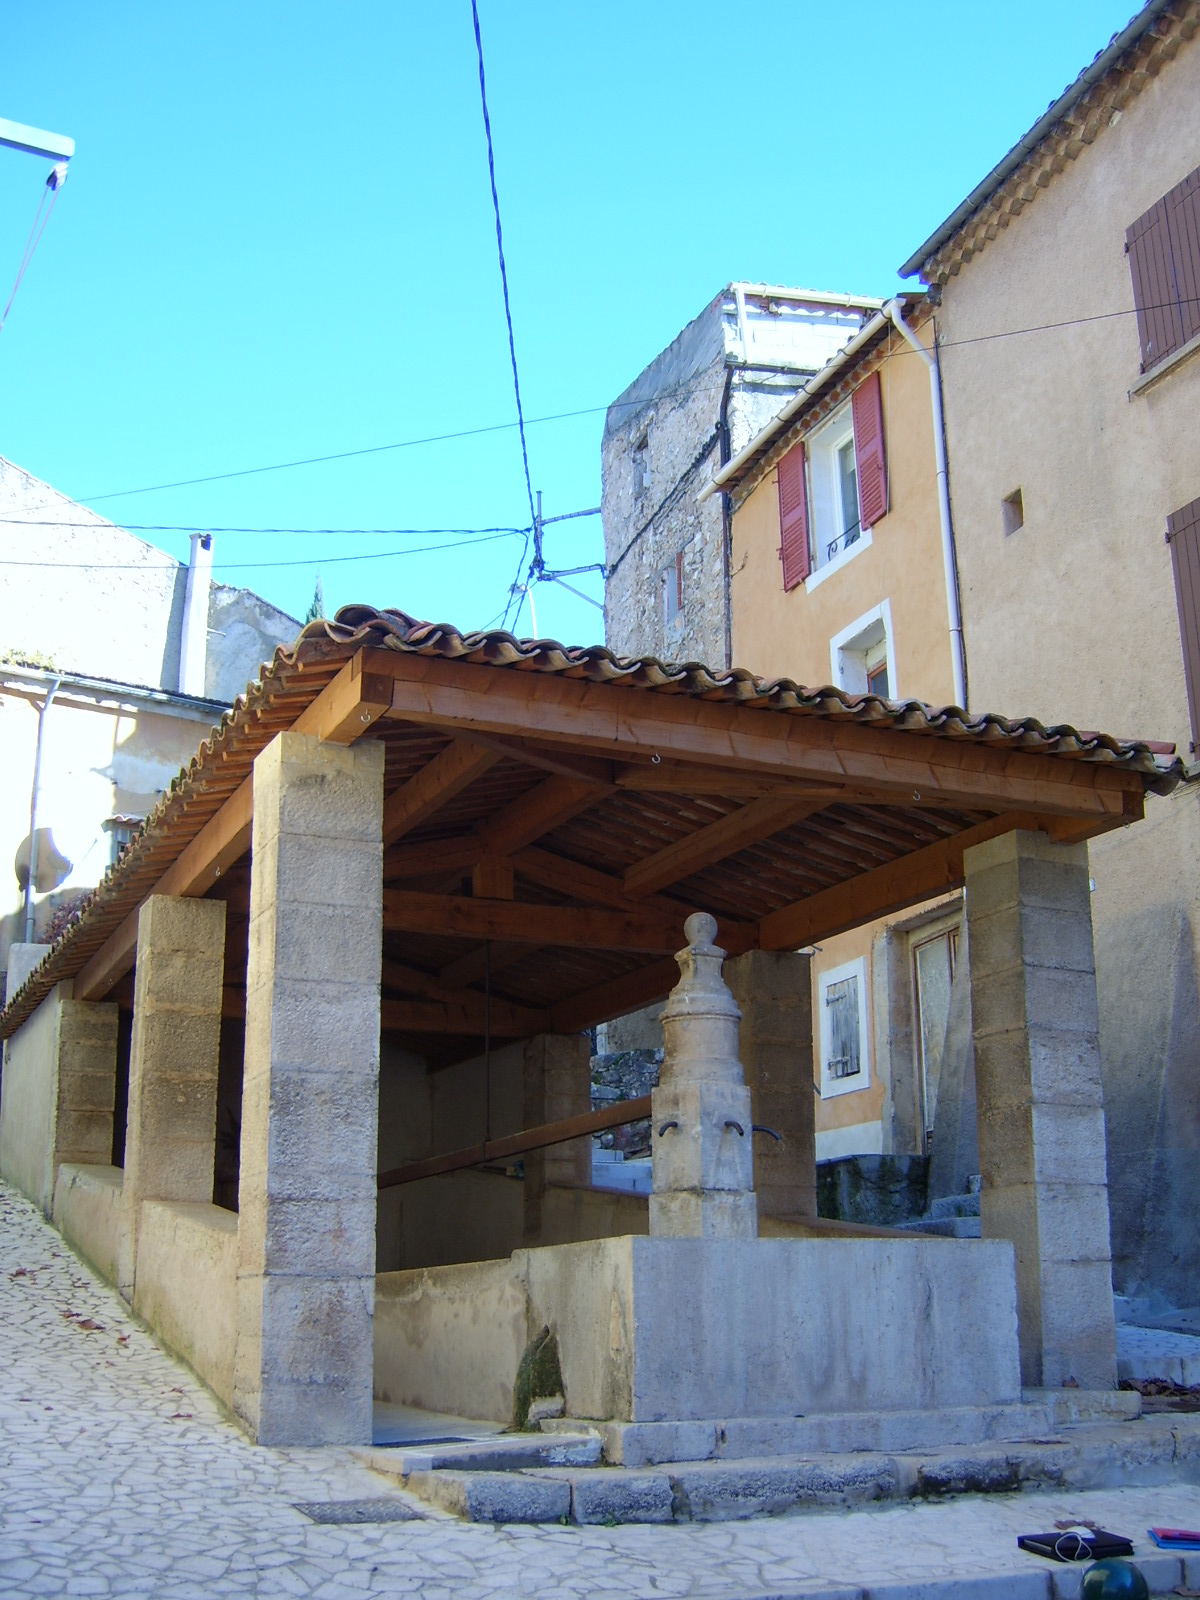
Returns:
(1040, 1101)
(303, 1372)
(558, 1084)
(773, 991)
(170, 1133)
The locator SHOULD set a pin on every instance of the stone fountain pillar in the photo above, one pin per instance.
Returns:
(702, 1141)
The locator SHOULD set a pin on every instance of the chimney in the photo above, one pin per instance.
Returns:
(193, 636)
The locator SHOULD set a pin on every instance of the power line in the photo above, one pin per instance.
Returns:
(247, 566)
(512, 348)
(178, 527)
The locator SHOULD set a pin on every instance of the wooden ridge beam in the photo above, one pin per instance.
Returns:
(448, 774)
(468, 1013)
(616, 721)
(221, 841)
(749, 824)
(515, 1144)
(540, 811)
(615, 997)
(925, 873)
(580, 928)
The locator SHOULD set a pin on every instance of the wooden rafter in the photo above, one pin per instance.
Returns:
(749, 824)
(458, 916)
(449, 773)
(468, 1013)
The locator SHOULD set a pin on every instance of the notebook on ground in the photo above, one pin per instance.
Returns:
(1175, 1538)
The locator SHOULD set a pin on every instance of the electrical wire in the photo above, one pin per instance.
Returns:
(52, 188)
(512, 348)
(178, 527)
(251, 566)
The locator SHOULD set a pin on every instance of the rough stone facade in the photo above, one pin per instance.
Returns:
(696, 405)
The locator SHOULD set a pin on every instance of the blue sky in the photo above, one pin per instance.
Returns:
(277, 242)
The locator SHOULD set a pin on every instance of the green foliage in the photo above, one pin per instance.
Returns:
(14, 656)
(539, 1376)
(316, 610)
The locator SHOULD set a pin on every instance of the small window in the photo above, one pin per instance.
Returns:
(120, 831)
(672, 585)
(843, 1028)
(1012, 509)
(861, 656)
(834, 487)
(641, 466)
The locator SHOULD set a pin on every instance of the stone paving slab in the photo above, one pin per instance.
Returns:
(119, 1475)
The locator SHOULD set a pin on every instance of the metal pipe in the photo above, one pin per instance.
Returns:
(33, 809)
(895, 315)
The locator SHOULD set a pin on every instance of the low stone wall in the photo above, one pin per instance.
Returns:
(186, 1285)
(656, 1329)
(87, 1212)
(27, 1097)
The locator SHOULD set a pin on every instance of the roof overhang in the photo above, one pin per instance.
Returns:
(552, 815)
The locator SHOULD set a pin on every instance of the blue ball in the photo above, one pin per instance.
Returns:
(1113, 1579)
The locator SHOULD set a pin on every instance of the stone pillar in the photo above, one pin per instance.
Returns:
(303, 1372)
(1040, 1100)
(701, 1133)
(773, 991)
(558, 1084)
(87, 1083)
(170, 1134)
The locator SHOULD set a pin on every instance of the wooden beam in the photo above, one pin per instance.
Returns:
(424, 860)
(423, 796)
(468, 1013)
(615, 997)
(749, 824)
(348, 706)
(516, 1144)
(492, 878)
(925, 873)
(615, 721)
(579, 882)
(691, 778)
(482, 961)
(548, 759)
(223, 839)
(540, 811)
(458, 916)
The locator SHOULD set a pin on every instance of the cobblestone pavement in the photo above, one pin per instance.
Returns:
(119, 1475)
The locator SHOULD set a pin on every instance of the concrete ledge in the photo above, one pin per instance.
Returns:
(495, 1496)
(186, 1285)
(87, 1212)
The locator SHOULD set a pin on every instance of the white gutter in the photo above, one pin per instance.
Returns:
(43, 710)
(895, 316)
(797, 403)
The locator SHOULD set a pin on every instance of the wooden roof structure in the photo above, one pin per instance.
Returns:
(552, 815)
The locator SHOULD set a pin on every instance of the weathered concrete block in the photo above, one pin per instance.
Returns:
(495, 1496)
(610, 1496)
(710, 1148)
(186, 1285)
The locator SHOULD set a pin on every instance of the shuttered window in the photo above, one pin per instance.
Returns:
(793, 518)
(1163, 247)
(845, 1046)
(868, 451)
(1183, 535)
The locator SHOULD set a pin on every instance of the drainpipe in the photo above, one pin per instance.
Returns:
(726, 530)
(33, 810)
(193, 636)
(895, 316)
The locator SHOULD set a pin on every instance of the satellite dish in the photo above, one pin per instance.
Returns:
(52, 866)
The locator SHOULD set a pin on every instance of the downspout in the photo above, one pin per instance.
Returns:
(895, 316)
(193, 635)
(33, 810)
(726, 528)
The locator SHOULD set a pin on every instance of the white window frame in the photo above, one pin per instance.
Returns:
(824, 483)
(856, 647)
(831, 1087)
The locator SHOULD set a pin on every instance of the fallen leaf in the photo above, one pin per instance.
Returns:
(89, 1326)
(181, 1416)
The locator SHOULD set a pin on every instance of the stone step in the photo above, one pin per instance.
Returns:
(955, 1205)
(967, 1227)
(1154, 1450)
(638, 1444)
(502, 1452)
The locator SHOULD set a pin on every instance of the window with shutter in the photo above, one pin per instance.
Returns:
(793, 518)
(867, 402)
(1163, 246)
(1183, 536)
(843, 1029)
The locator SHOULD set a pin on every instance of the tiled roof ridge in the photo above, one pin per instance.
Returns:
(323, 646)
(1071, 123)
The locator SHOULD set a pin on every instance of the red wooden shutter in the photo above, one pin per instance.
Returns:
(1183, 223)
(1183, 535)
(868, 452)
(793, 518)
(1148, 245)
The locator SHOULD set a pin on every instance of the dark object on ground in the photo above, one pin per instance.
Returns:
(336, 1512)
(1114, 1579)
(1076, 1544)
(1160, 1394)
